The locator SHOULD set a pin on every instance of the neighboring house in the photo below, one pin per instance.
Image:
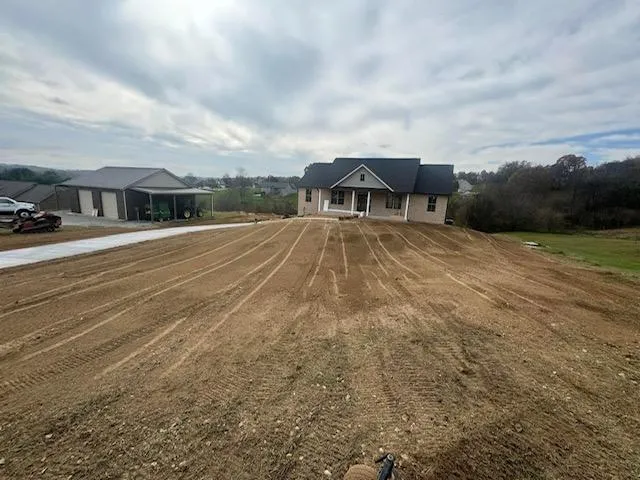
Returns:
(464, 187)
(277, 188)
(11, 189)
(127, 193)
(391, 188)
(43, 196)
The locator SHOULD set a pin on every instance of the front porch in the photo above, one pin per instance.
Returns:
(378, 204)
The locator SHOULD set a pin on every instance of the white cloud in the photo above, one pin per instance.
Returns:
(274, 85)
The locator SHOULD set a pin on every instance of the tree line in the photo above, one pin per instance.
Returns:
(566, 195)
(23, 174)
(240, 180)
(250, 200)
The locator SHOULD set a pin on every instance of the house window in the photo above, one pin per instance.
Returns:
(307, 195)
(431, 203)
(362, 177)
(337, 197)
(394, 201)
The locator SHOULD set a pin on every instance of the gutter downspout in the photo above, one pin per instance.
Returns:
(406, 208)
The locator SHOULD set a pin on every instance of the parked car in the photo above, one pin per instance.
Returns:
(8, 206)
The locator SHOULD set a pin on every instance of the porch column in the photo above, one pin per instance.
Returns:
(151, 206)
(368, 202)
(124, 201)
(406, 207)
(319, 199)
(211, 204)
(175, 208)
(353, 201)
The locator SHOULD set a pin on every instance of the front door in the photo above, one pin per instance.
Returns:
(362, 202)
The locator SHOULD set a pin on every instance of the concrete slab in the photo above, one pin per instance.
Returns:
(43, 253)
(79, 220)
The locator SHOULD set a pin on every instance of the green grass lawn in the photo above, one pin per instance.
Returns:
(596, 248)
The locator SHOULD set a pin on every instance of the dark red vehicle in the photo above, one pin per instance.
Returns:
(39, 222)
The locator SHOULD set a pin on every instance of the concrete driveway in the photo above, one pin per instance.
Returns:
(79, 220)
(25, 256)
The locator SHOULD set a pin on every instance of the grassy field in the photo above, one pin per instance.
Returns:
(619, 249)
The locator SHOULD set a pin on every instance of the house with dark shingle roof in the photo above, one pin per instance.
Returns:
(42, 196)
(391, 188)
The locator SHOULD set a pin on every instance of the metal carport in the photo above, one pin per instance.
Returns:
(175, 193)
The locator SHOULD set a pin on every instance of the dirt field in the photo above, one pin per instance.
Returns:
(286, 349)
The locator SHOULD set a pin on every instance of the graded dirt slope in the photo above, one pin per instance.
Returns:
(305, 346)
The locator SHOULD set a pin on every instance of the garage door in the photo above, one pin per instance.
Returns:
(86, 202)
(109, 205)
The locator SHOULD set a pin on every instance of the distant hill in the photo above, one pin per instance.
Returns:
(38, 169)
(36, 174)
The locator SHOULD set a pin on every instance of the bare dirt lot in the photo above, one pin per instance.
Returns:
(286, 349)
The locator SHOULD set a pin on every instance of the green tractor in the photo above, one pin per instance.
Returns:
(161, 211)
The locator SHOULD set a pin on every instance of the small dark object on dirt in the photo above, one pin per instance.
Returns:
(40, 222)
(286, 215)
(448, 221)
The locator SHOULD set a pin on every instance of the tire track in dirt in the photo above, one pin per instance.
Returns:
(116, 280)
(90, 268)
(79, 358)
(36, 334)
(190, 351)
(344, 253)
(481, 281)
(447, 270)
(267, 353)
(324, 247)
(512, 268)
(229, 288)
(41, 376)
(416, 367)
(443, 249)
(189, 278)
(393, 258)
(451, 239)
(86, 264)
(142, 349)
(373, 254)
(497, 300)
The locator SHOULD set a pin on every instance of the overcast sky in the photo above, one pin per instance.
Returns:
(207, 86)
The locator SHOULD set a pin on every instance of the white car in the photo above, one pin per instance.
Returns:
(8, 206)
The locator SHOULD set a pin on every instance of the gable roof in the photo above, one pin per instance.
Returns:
(362, 166)
(114, 178)
(434, 179)
(11, 188)
(37, 194)
(403, 175)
